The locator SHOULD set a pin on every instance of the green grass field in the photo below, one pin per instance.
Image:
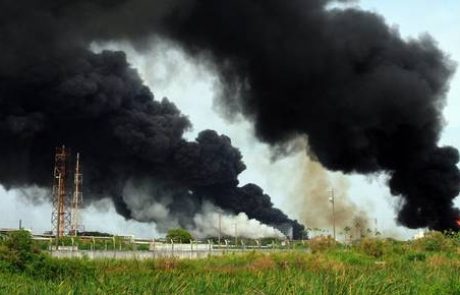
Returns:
(427, 266)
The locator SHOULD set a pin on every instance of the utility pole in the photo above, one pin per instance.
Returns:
(236, 235)
(332, 200)
(376, 230)
(220, 226)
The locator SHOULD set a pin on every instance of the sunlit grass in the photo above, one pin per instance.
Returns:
(369, 267)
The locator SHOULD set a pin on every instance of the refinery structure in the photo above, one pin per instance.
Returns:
(68, 239)
(67, 197)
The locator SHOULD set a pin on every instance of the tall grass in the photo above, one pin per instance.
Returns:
(368, 267)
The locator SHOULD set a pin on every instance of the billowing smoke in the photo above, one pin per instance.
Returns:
(314, 187)
(147, 201)
(208, 220)
(367, 100)
(53, 90)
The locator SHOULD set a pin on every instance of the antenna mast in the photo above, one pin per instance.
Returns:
(77, 198)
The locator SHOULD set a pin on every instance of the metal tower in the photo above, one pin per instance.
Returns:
(60, 217)
(77, 198)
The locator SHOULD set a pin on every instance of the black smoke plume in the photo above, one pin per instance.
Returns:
(368, 101)
(54, 90)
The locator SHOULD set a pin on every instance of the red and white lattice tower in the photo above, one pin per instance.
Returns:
(60, 216)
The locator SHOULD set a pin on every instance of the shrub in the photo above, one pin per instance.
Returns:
(372, 247)
(416, 257)
(179, 235)
(434, 242)
(48, 268)
(320, 244)
(18, 249)
(395, 247)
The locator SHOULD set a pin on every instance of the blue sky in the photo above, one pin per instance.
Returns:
(169, 73)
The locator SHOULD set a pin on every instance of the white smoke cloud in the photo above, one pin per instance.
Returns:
(207, 224)
(146, 207)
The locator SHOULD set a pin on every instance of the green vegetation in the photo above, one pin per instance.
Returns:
(370, 266)
(179, 235)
